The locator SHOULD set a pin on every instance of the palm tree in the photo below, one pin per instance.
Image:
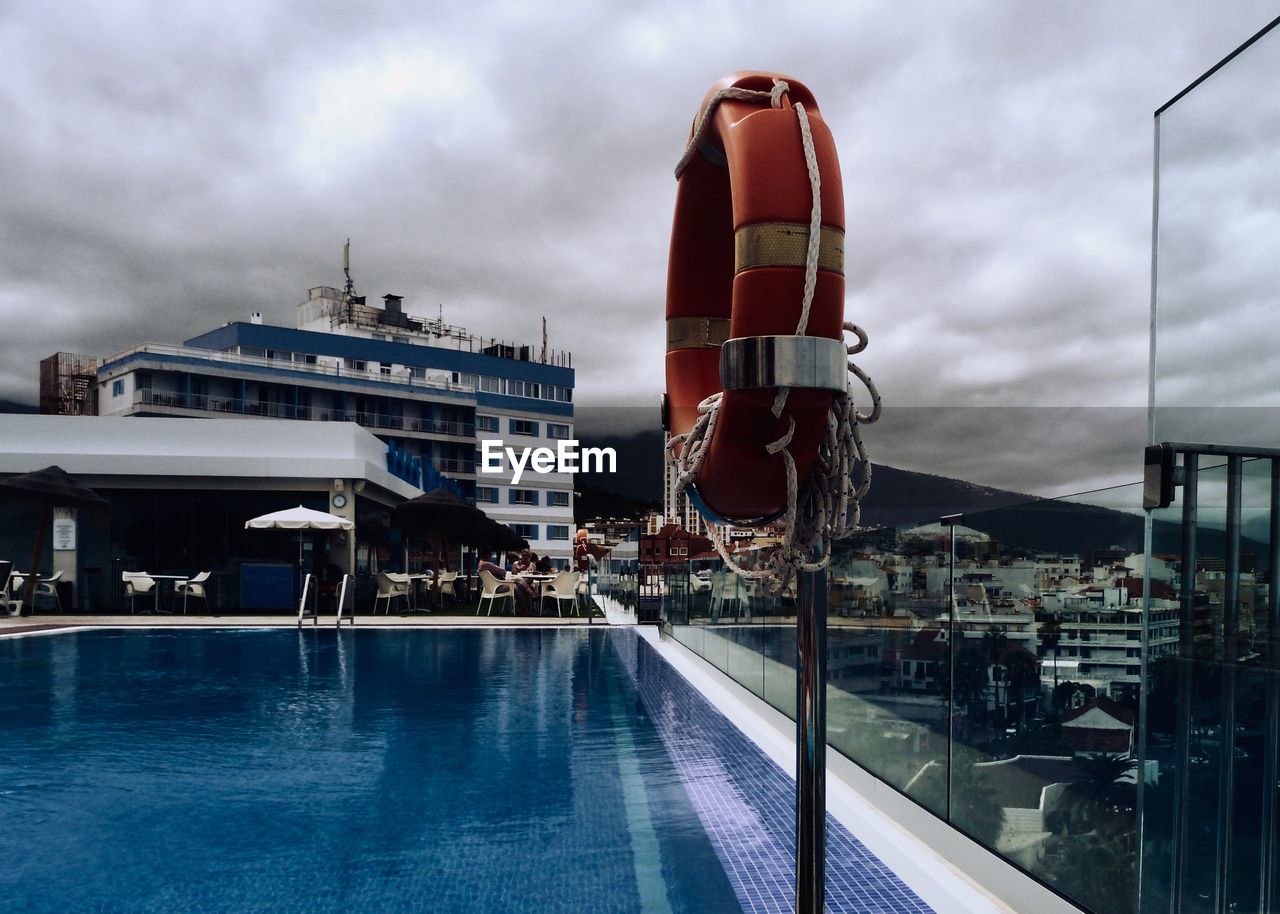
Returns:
(1051, 637)
(1094, 790)
(996, 644)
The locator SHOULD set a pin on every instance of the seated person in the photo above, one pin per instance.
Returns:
(524, 590)
(544, 565)
(526, 563)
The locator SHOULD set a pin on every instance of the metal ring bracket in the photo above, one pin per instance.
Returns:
(819, 362)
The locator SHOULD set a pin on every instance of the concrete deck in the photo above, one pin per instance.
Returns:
(14, 625)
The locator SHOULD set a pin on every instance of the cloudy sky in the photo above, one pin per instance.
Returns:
(169, 167)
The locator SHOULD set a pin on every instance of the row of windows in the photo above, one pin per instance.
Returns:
(533, 390)
(526, 427)
(489, 495)
(530, 531)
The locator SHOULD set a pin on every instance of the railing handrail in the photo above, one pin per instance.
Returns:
(149, 397)
(403, 377)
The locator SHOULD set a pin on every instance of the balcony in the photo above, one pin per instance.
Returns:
(400, 378)
(147, 399)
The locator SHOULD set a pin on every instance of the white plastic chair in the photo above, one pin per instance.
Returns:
(698, 585)
(10, 605)
(194, 588)
(563, 587)
(388, 589)
(495, 590)
(47, 587)
(139, 582)
(446, 582)
(583, 592)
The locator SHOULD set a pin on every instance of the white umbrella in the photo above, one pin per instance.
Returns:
(299, 519)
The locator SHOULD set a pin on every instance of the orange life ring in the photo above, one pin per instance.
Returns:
(737, 269)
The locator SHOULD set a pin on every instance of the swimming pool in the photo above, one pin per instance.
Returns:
(437, 770)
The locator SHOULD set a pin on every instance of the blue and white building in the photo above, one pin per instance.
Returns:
(431, 390)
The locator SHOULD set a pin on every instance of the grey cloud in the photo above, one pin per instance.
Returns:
(171, 168)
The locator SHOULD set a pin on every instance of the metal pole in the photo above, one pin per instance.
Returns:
(1268, 887)
(1186, 652)
(1230, 634)
(811, 742)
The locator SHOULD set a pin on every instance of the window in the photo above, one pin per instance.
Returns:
(117, 388)
(490, 385)
(486, 423)
(357, 364)
(522, 496)
(557, 430)
(528, 531)
(557, 531)
(524, 427)
(487, 495)
(557, 499)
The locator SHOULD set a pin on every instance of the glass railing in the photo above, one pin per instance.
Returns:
(236, 406)
(1210, 804)
(990, 669)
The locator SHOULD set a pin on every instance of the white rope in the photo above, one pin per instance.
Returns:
(829, 507)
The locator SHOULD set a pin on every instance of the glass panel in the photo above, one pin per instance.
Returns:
(1218, 206)
(1047, 636)
(887, 658)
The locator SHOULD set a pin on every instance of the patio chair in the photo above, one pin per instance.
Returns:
(195, 587)
(583, 592)
(446, 583)
(698, 585)
(10, 605)
(494, 589)
(563, 587)
(388, 589)
(724, 589)
(45, 587)
(139, 582)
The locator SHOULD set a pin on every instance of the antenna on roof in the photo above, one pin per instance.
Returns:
(543, 359)
(350, 288)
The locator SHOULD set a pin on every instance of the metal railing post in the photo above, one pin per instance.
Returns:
(1227, 707)
(1186, 656)
(811, 742)
(1268, 888)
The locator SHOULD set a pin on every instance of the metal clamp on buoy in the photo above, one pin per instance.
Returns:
(814, 362)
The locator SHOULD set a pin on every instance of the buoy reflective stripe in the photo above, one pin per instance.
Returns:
(737, 269)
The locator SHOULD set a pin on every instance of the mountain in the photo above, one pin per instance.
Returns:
(896, 496)
(13, 406)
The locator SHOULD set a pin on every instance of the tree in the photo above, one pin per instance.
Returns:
(973, 803)
(1095, 793)
(1051, 638)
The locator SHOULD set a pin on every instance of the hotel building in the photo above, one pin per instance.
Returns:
(430, 390)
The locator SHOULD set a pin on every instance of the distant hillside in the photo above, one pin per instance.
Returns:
(896, 497)
(13, 406)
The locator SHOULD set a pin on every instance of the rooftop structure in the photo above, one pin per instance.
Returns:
(430, 389)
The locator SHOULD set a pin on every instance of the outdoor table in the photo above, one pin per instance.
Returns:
(536, 580)
(174, 580)
(18, 578)
(414, 581)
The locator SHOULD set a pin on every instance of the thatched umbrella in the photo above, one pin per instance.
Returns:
(446, 518)
(50, 488)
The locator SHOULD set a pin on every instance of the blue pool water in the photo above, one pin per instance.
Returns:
(440, 770)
